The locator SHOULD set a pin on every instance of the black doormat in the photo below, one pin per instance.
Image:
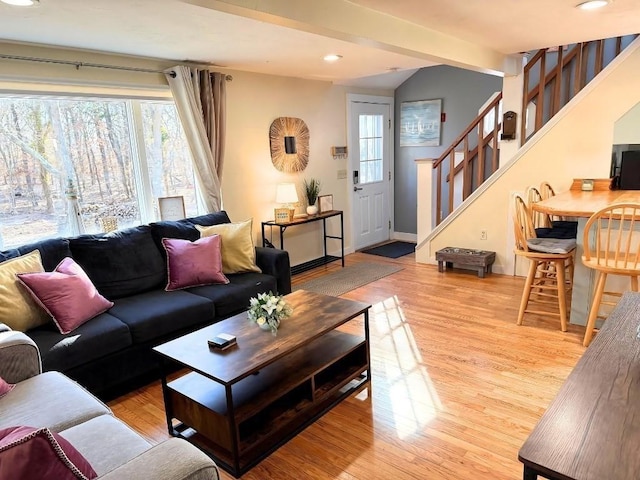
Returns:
(392, 250)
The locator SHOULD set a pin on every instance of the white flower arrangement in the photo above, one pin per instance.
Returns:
(267, 310)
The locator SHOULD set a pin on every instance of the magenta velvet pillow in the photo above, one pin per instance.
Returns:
(5, 387)
(67, 294)
(191, 264)
(27, 453)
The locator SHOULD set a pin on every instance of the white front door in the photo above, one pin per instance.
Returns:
(370, 173)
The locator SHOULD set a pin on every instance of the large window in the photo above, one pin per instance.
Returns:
(117, 156)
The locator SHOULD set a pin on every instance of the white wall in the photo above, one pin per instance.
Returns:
(577, 146)
(250, 179)
(253, 102)
(627, 128)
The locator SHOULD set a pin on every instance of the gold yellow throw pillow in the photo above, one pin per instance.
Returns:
(18, 309)
(238, 250)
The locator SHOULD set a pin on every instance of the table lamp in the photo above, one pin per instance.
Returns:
(287, 196)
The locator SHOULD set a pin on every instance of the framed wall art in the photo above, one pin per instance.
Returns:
(420, 123)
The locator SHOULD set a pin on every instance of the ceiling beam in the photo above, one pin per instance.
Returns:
(342, 20)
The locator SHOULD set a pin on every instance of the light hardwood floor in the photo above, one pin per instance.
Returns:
(457, 385)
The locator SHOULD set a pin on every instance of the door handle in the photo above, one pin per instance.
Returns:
(355, 189)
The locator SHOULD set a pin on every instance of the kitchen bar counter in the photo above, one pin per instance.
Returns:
(576, 203)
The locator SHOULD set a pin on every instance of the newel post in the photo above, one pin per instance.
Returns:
(512, 100)
(425, 208)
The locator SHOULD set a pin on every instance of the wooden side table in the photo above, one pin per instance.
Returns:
(480, 260)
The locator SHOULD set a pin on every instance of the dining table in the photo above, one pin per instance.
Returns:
(579, 204)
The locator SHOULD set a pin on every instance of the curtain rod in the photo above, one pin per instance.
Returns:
(91, 65)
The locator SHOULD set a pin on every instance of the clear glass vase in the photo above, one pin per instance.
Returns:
(267, 327)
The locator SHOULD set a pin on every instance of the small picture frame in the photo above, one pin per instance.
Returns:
(171, 208)
(587, 185)
(283, 215)
(325, 203)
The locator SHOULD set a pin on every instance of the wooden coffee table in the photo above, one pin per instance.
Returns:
(240, 404)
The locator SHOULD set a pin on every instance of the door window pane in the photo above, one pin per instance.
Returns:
(370, 135)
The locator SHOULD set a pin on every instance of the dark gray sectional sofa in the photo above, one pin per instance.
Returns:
(112, 352)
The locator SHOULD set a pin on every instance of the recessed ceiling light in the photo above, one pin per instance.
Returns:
(593, 4)
(21, 3)
(332, 57)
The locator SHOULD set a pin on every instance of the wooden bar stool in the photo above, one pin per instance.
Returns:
(546, 190)
(615, 230)
(545, 225)
(551, 269)
(540, 220)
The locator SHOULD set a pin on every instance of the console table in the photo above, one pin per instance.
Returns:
(282, 226)
(591, 430)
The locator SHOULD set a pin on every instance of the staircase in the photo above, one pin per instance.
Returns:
(552, 77)
(468, 156)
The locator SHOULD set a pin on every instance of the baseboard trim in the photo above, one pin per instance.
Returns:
(405, 237)
(337, 253)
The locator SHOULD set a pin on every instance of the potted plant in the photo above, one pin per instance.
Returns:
(268, 310)
(311, 191)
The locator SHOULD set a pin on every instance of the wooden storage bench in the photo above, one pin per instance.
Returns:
(480, 260)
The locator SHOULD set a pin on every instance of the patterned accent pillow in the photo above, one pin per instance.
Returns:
(5, 387)
(238, 250)
(17, 308)
(192, 264)
(67, 294)
(27, 452)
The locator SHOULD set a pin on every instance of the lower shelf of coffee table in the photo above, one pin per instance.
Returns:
(272, 406)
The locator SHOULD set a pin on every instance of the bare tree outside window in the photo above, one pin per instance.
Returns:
(168, 158)
(46, 143)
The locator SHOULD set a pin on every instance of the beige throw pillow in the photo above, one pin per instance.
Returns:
(18, 309)
(238, 250)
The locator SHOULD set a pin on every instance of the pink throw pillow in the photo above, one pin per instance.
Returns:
(27, 453)
(67, 294)
(5, 387)
(192, 264)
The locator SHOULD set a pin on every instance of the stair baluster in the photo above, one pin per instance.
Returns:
(473, 164)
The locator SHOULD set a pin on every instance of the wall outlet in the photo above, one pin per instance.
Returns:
(483, 234)
(342, 174)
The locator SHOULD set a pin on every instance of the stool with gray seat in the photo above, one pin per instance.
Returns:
(551, 269)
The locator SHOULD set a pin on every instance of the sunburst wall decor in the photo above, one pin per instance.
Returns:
(289, 142)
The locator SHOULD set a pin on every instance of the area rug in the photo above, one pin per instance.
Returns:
(348, 278)
(392, 250)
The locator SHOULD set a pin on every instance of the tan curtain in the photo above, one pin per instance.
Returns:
(200, 100)
(213, 97)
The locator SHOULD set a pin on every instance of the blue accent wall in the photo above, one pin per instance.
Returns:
(463, 92)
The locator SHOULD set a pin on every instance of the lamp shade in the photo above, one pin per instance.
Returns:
(286, 193)
(21, 3)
